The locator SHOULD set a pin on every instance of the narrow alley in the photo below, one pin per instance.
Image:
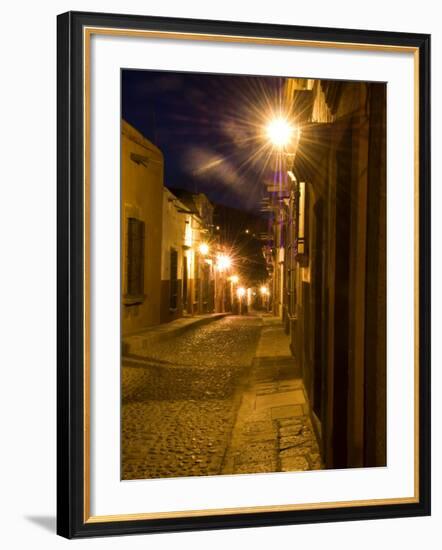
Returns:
(223, 398)
(253, 274)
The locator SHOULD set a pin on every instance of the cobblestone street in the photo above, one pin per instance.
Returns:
(253, 295)
(210, 401)
(179, 410)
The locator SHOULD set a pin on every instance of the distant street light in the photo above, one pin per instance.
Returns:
(223, 262)
(280, 132)
(241, 292)
(234, 279)
(204, 249)
(265, 297)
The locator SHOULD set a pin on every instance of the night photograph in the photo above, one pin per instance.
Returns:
(253, 274)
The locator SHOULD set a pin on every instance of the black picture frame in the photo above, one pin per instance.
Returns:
(71, 518)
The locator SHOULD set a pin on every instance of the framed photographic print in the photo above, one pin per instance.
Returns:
(243, 274)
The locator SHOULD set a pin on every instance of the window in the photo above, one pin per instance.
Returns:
(301, 219)
(302, 237)
(135, 262)
(173, 298)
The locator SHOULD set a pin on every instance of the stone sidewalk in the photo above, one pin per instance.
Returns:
(273, 431)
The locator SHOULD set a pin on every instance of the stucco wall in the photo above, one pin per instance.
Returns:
(142, 197)
(174, 236)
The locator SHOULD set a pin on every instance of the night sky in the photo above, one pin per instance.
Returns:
(209, 128)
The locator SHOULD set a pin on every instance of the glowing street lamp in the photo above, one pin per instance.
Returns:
(234, 279)
(241, 292)
(223, 262)
(204, 249)
(280, 132)
(265, 296)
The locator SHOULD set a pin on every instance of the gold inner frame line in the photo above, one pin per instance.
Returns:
(87, 34)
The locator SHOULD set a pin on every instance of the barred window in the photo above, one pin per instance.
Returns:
(135, 261)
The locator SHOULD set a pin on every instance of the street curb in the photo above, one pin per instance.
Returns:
(137, 342)
(198, 323)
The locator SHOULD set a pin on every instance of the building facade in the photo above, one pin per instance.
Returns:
(142, 169)
(199, 250)
(167, 246)
(328, 261)
(173, 258)
(187, 277)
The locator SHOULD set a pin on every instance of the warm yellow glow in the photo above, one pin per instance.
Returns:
(291, 175)
(264, 290)
(279, 131)
(188, 237)
(234, 279)
(241, 292)
(247, 231)
(223, 262)
(204, 249)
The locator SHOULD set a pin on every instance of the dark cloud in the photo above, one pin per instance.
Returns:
(207, 127)
(204, 163)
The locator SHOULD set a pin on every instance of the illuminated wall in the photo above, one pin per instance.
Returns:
(141, 208)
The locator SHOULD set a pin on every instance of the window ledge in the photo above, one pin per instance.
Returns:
(133, 300)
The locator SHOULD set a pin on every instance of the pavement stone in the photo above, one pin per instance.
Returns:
(207, 404)
(179, 401)
(275, 412)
